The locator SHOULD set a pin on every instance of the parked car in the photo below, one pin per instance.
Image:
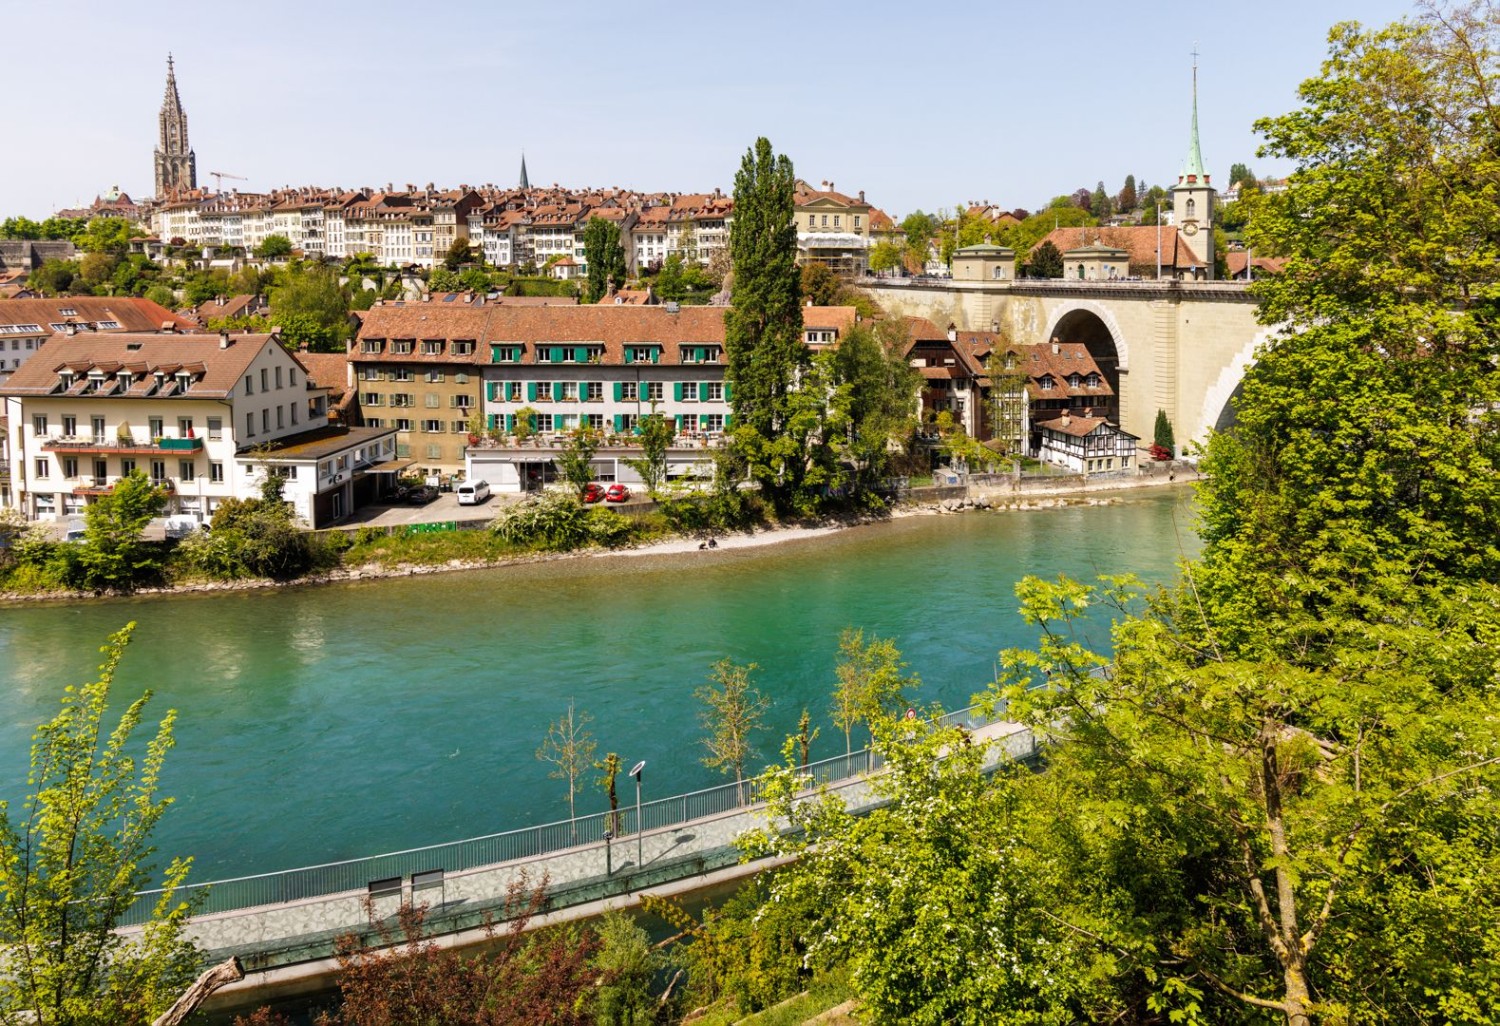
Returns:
(593, 492)
(421, 495)
(616, 493)
(472, 493)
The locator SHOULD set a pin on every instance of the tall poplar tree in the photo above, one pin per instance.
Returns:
(605, 257)
(763, 326)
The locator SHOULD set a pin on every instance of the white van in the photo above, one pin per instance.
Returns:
(472, 493)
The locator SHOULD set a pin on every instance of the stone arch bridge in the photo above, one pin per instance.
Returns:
(1178, 346)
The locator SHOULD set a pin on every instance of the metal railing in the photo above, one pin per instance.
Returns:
(527, 843)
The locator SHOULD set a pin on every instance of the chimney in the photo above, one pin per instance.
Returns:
(861, 195)
(224, 340)
(994, 327)
(1066, 420)
(952, 332)
(169, 326)
(1055, 347)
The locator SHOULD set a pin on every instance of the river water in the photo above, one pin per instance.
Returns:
(331, 722)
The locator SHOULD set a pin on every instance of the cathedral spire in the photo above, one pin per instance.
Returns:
(176, 165)
(525, 181)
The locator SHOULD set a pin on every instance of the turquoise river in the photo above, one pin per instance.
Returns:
(325, 723)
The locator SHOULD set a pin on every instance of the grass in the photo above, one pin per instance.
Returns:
(824, 993)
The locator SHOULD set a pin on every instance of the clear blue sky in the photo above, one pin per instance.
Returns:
(920, 104)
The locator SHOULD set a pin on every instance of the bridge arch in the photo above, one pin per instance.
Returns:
(1093, 324)
(1218, 402)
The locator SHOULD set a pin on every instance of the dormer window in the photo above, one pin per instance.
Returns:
(67, 311)
(183, 381)
(66, 377)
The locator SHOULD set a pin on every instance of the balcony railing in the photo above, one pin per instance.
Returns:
(69, 443)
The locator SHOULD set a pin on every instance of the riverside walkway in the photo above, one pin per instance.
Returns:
(281, 919)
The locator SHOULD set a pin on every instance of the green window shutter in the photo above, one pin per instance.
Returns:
(493, 420)
(510, 422)
(678, 418)
(703, 391)
(677, 392)
(531, 391)
(629, 355)
(494, 354)
(728, 393)
(619, 422)
(494, 390)
(656, 355)
(557, 390)
(703, 421)
(531, 421)
(728, 417)
(619, 391)
(557, 354)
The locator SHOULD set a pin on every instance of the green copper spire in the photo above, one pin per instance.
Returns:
(1193, 169)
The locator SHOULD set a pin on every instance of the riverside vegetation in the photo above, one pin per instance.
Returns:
(1272, 792)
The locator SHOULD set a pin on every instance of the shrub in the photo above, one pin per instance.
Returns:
(553, 520)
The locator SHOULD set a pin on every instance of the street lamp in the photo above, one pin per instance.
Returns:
(637, 771)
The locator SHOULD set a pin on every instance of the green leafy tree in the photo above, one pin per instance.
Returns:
(106, 235)
(871, 683)
(820, 286)
(443, 280)
(311, 308)
(669, 284)
(1127, 198)
(920, 229)
(1100, 202)
(459, 253)
(732, 713)
(20, 228)
(656, 433)
(605, 258)
(625, 964)
(162, 296)
(54, 277)
(1239, 174)
(114, 556)
(576, 458)
(71, 863)
(887, 256)
(763, 326)
(274, 247)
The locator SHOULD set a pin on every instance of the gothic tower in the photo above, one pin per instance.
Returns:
(176, 165)
(525, 179)
(1193, 196)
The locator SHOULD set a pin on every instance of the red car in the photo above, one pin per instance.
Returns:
(593, 492)
(616, 493)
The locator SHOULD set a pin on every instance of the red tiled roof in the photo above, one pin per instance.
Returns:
(141, 354)
(132, 314)
(1139, 241)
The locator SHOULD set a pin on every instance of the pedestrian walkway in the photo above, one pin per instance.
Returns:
(618, 861)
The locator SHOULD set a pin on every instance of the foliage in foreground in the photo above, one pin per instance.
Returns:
(558, 522)
(71, 863)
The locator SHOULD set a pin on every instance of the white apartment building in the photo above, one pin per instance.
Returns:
(201, 415)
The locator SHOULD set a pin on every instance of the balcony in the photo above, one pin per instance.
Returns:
(121, 446)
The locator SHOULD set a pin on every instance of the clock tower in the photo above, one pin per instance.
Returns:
(1193, 196)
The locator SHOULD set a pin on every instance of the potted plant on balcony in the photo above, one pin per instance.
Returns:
(123, 435)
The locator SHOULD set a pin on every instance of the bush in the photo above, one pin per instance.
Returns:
(552, 520)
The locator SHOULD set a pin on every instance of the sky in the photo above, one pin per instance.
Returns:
(922, 105)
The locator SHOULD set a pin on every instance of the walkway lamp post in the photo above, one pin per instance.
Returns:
(637, 771)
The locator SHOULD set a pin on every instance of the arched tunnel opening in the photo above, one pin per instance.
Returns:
(1086, 327)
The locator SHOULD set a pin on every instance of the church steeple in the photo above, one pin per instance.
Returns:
(1193, 196)
(525, 181)
(176, 164)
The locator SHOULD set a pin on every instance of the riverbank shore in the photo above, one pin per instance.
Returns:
(1034, 500)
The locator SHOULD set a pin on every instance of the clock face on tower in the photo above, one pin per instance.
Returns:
(1190, 228)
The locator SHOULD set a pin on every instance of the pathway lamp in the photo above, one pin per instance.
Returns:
(609, 869)
(637, 771)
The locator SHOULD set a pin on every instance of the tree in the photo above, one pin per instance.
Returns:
(1100, 203)
(1162, 434)
(887, 256)
(669, 284)
(162, 296)
(763, 326)
(311, 308)
(1240, 174)
(105, 235)
(870, 682)
(920, 229)
(576, 458)
(54, 277)
(1045, 261)
(609, 773)
(71, 866)
(114, 556)
(1083, 199)
(570, 748)
(656, 434)
(820, 286)
(274, 247)
(1128, 198)
(732, 712)
(626, 964)
(605, 258)
(459, 253)
(95, 269)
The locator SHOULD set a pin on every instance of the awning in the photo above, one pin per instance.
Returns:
(388, 467)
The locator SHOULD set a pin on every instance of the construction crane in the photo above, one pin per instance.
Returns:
(219, 177)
